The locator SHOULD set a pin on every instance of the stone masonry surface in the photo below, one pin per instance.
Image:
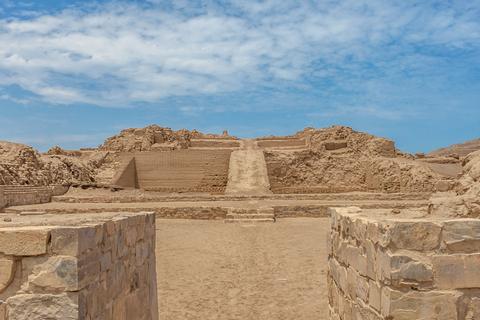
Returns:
(388, 267)
(24, 195)
(70, 267)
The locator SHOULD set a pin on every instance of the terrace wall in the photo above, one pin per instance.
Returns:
(392, 268)
(178, 171)
(103, 270)
(24, 195)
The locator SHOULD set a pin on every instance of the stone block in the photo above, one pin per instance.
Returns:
(457, 271)
(377, 233)
(7, 272)
(371, 254)
(64, 241)
(417, 235)
(359, 229)
(362, 311)
(357, 285)
(430, 305)
(339, 274)
(461, 235)
(473, 309)
(88, 238)
(403, 268)
(24, 241)
(43, 306)
(374, 295)
(352, 256)
(56, 273)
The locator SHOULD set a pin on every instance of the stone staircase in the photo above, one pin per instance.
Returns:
(243, 215)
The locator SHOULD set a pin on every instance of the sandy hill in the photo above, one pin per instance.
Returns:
(154, 137)
(341, 159)
(461, 149)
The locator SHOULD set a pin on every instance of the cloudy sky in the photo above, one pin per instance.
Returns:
(73, 72)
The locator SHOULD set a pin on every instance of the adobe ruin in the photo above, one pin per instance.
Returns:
(78, 226)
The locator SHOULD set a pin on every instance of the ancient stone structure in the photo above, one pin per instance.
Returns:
(23, 195)
(386, 267)
(70, 267)
(281, 143)
(411, 252)
(175, 171)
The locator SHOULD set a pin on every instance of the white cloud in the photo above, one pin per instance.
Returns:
(119, 54)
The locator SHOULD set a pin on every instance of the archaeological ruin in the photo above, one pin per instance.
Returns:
(161, 224)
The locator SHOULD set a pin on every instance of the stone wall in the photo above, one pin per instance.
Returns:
(78, 267)
(183, 170)
(25, 195)
(126, 176)
(392, 268)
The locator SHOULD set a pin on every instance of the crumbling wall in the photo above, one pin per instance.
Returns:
(279, 143)
(384, 268)
(96, 270)
(214, 143)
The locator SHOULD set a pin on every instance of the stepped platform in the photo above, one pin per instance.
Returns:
(238, 215)
(218, 209)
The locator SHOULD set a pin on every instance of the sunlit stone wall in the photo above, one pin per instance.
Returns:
(100, 267)
(385, 267)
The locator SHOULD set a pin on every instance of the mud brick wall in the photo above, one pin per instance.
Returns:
(183, 170)
(390, 268)
(23, 195)
(96, 270)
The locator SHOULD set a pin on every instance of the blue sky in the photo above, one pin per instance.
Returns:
(74, 72)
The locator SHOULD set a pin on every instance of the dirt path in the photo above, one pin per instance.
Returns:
(248, 171)
(212, 270)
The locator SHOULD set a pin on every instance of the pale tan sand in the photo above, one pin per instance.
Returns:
(212, 270)
(248, 171)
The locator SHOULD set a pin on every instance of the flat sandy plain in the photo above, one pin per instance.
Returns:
(213, 270)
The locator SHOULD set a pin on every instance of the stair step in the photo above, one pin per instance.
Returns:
(249, 220)
(250, 216)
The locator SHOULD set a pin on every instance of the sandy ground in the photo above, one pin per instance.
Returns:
(212, 270)
(248, 171)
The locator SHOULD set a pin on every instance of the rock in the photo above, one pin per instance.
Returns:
(24, 241)
(418, 235)
(57, 273)
(419, 305)
(43, 306)
(462, 235)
